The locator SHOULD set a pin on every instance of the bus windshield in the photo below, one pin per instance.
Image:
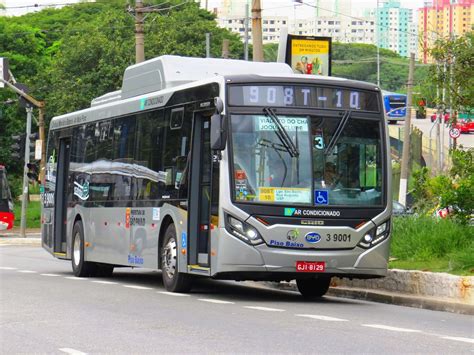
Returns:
(346, 174)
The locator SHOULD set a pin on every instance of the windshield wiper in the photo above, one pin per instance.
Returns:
(282, 133)
(337, 132)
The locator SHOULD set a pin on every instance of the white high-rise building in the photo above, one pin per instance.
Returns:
(340, 19)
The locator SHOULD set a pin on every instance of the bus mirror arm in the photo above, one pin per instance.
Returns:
(218, 133)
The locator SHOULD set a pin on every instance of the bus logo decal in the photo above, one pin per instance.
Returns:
(312, 237)
(289, 211)
(293, 234)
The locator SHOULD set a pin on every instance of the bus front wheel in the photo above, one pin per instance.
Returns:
(80, 267)
(173, 280)
(313, 288)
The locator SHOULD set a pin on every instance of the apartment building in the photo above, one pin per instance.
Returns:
(442, 19)
(341, 29)
(395, 27)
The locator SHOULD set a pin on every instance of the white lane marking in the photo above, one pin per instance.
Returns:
(106, 282)
(214, 301)
(395, 329)
(137, 287)
(265, 309)
(76, 278)
(326, 318)
(72, 351)
(466, 340)
(27, 271)
(173, 294)
(7, 268)
(52, 275)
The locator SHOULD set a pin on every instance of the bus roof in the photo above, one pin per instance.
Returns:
(170, 71)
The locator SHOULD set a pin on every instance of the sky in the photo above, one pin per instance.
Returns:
(281, 5)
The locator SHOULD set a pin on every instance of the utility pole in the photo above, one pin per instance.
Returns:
(246, 35)
(257, 31)
(378, 44)
(406, 140)
(139, 15)
(139, 33)
(24, 194)
(438, 120)
(225, 49)
(208, 45)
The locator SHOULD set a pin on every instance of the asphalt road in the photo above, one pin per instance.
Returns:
(425, 125)
(43, 309)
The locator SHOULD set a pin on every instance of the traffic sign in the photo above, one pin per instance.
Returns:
(454, 133)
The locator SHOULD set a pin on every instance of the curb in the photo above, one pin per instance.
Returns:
(407, 300)
(13, 239)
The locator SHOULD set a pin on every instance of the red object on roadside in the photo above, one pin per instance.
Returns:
(7, 218)
(445, 117)
(465, 125)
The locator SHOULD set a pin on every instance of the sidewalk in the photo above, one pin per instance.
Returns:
(427, 290)
(13, 237)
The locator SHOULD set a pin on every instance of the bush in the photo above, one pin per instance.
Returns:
(455, 189)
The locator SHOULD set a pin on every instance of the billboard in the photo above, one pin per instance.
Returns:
(309, 55)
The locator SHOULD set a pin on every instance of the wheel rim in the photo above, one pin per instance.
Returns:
(77, 250)
(169, 258)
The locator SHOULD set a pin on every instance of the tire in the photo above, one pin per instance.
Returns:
(173, 280)
(80, 268)
(313, 288)
(105, 270)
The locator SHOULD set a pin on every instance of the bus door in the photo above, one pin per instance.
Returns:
(199, 222)
(60, 198)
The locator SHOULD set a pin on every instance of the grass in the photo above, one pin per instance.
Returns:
(428, 244)
(33, 214)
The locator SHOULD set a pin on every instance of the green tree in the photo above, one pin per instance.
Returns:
(457, 54)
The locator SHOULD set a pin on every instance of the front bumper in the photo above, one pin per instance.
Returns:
(242, 260)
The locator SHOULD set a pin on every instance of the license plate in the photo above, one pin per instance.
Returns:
(310, 266)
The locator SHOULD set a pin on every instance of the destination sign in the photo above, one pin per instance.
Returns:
(303, 96)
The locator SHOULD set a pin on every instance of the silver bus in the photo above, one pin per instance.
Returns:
(224, 169)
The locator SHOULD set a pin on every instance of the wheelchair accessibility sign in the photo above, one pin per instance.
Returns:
(321, 197)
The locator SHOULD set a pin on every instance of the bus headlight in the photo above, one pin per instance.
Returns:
(242, 230)
(374, 237)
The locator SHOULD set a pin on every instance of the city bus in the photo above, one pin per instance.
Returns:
(6, 202)
(225, 169)
(395, 106)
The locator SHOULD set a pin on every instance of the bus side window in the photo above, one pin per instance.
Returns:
(176, 148)
(149, 150)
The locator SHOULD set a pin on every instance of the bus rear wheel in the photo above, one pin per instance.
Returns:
(80, 267)
(313, 288)
(173, 280)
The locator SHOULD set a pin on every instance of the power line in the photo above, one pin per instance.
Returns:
(45, 5)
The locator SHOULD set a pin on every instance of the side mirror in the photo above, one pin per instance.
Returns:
(218, 132)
